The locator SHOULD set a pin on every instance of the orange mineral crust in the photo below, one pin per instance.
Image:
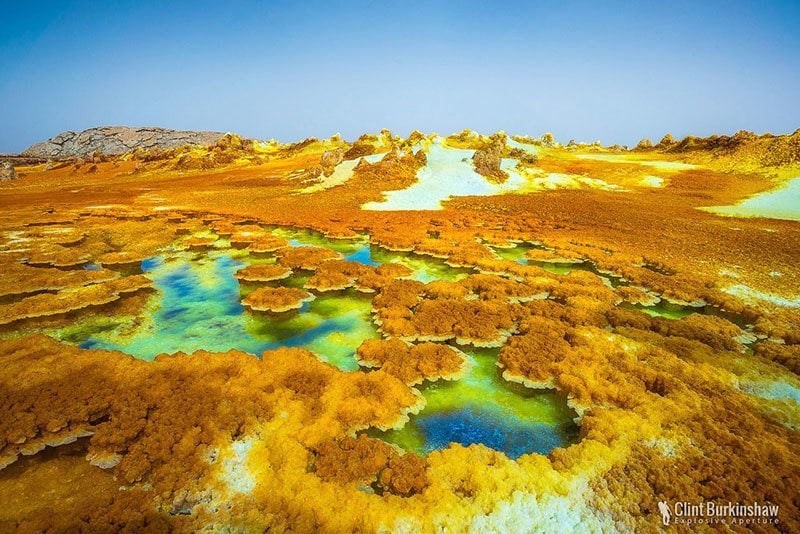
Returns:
(277, 299)
(71, 299)
(305, 258)
(601, 276)
(263, 273)
(412, 363)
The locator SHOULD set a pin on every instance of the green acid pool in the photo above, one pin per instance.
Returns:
(484, 408)
(197, 306)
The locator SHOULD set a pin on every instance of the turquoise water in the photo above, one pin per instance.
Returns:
(672, 310)
(424, 268)
(198, 308)
(301, 237)
(519, 255)
(363, 255)
(484, 408)
(665, 309)
(478, 423)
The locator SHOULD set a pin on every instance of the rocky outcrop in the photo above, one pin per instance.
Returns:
(548, 141)
(742, 148)
(18, 160)
(327, 165)
(666, 142)
(359, 150)
(7, 172)
(330, 159)
(487, 160)
(116, 140)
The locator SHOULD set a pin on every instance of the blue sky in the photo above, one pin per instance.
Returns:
(614, 71)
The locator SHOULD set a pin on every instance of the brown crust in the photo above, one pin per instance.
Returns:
(277, 299)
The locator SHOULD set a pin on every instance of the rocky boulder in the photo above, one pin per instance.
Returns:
(7, 171)
(359, 150)
(330, 159)
(666, 142)
(487, 159)
(547, 140)
(116, 140)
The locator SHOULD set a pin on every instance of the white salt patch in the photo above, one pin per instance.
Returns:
(632, 158)
(749, 294)
(652, 181)
(666, 447)
(772, 390)
(341, 174)
(16, 237)
(544, 513)
(781, 203)
(668, 165)
(556, 180)
(523, 146)
(449, 173)
(166, 208)
(235, 472)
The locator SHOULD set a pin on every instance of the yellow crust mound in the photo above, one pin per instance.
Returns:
(277, 299)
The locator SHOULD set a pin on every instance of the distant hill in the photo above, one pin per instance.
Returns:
(116, 140)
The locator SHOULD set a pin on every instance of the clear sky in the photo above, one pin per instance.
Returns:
(614, 71)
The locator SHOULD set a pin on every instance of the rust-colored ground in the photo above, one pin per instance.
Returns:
(670, 409)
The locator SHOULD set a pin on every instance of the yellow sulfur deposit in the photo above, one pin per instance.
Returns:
(467, 334)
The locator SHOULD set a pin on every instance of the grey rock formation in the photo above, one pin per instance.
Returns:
(116, 140)
(18, 160)
(7, 172)
(487, 160)
(330, 159)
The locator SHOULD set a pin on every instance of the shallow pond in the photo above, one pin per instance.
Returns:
(484, 408)
(352, 249)
(198, 307)
(519, 255)
(667, 310)
(424, 268)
